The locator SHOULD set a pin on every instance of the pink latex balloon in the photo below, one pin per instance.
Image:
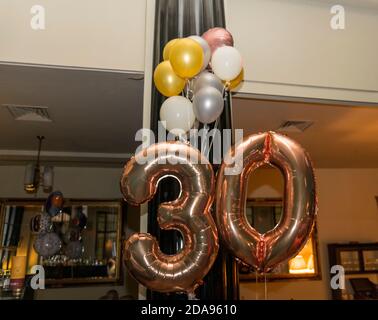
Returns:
(218, 37)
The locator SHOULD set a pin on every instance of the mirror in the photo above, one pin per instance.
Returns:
(90, 235)
(264, 215)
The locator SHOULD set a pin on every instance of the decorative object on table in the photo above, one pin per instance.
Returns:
(72, 234)
(184, 71)
(104, 231)
(54, 203)
(74, 249)
(80, 220)
(47, 244)
(34, 177)
(265, 251)
(17, 277)
(45, 222)
(190, 214)
(41, 223)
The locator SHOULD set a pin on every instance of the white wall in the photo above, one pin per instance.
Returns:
(289, 48)
(347, 212)
(86, 33)
(81, 183)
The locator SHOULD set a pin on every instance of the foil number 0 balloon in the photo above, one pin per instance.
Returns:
(189, 213)
(266, 251)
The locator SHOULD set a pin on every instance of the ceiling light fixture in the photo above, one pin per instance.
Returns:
(34, 177)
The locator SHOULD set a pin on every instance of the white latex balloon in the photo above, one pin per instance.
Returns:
(177, 112)
(226, 63)
(206, 50)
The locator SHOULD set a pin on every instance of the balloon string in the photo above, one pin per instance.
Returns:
(182, 138)
(224, 89)
(257, 275)
(187, 89)
(212, 140)
(266, 287)
(206, 137)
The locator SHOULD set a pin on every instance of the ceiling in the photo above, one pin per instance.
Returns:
(341, 136)
(95, 113)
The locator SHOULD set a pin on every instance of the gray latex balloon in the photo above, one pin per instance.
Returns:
(208, 104)
(207, 79)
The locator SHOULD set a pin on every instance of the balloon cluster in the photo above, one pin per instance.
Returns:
(202, 69)
(52, 233)
(48, 242)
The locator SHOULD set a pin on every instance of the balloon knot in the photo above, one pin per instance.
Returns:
(261, 251)
(267, 147)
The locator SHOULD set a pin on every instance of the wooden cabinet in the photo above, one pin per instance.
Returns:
(356, 259)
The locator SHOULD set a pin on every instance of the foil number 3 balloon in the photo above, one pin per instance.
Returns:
(266, 251)
(189, 213)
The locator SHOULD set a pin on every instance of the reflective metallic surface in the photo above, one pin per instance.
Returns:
(218, 37)
(189, 214)
(266, 251)
(208, 104)
(207, 79)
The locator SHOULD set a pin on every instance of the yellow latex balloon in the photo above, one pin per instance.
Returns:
(167, 48)
(167, 81)
(235, 82)
(186, 57)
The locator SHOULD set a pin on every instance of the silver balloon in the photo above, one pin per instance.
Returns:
(206, 50)
(266, 251)
(47, 244)
(207, 79)
(189, 214)
(208, 104)
(45, 222)
(41, 223)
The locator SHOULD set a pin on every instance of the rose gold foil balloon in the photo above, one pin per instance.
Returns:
(189, 214)
(266, 251)
(218, 37)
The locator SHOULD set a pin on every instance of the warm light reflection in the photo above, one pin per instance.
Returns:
(304, 261)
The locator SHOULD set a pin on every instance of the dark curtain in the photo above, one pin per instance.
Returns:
(173, 19)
